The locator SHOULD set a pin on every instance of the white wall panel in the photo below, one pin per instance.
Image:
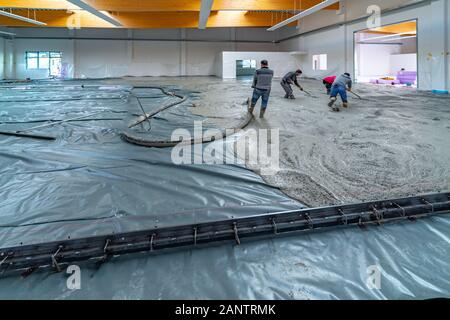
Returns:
(121, 55)
(280, 62)
(337, 42)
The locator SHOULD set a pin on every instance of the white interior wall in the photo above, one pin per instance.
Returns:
(337, 42)
(374, 59)
(331, 44)
(9, 59)
(280, 62)
(407, 61)
(105, 58)
(121, 52)
(21, 46)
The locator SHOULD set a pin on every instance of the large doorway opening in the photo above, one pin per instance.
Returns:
(387, 55)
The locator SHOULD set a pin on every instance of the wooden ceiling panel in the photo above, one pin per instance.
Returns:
(156, 13)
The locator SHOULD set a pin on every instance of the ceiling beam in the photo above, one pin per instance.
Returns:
(143, 20)
(167, 5)
(205, 11)
(95, 12)
(305, 13)
(21, 18)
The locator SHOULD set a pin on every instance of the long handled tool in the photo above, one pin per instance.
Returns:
(356, 95)
(309, 94)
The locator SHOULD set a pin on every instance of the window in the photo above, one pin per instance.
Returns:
(32, 60)
(249, 64)
(44, 60)
(320, 62)
(41, 59)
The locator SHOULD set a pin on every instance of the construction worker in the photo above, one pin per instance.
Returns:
(328, 82)
(289, 79)
(262, 84)
(340, 86)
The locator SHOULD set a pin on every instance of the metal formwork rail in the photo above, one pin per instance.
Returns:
(58, 254)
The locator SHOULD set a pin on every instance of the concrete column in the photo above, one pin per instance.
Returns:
(183, 53)
(439, 46)
(447, 43)
(2, 58)
(10, 64)
(233, 39)
(73, 48)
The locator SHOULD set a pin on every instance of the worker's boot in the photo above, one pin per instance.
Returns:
(251, 108)
(292, 97)
(286, 96)
(332, 101)
(345, 104)
(261, 113)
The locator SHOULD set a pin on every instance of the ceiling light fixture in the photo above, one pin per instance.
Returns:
(21, 18)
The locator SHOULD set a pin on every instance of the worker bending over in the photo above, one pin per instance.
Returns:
(262, 84)
(340, 86)
(328, 82)
(289, 79)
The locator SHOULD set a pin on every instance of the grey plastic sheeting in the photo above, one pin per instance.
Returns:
(91, 182)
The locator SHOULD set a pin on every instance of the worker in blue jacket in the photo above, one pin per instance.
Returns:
(340, 86)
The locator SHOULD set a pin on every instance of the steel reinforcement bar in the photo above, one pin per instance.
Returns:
(58, 254)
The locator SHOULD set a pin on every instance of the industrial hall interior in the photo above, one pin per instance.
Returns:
(224, 150)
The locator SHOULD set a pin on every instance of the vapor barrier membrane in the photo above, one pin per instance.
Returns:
(90, 182)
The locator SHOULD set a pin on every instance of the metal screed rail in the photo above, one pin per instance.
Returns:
(56, 255)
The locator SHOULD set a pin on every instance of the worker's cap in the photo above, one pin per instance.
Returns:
(347, 74)
(264, 62)
(299, 71)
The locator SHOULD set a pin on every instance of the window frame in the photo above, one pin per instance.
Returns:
(318, 57)
(50, 55)
(27, 58)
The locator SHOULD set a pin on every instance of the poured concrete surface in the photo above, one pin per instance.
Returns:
(393, 143)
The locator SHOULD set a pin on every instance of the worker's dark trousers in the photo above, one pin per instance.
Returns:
(287, 88)
(328, 86)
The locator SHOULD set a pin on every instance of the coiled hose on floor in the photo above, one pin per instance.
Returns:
(128, 137)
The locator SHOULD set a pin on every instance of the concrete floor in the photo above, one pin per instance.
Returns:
(393, 143)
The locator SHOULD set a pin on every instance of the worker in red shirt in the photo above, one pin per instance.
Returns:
(328, 82)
